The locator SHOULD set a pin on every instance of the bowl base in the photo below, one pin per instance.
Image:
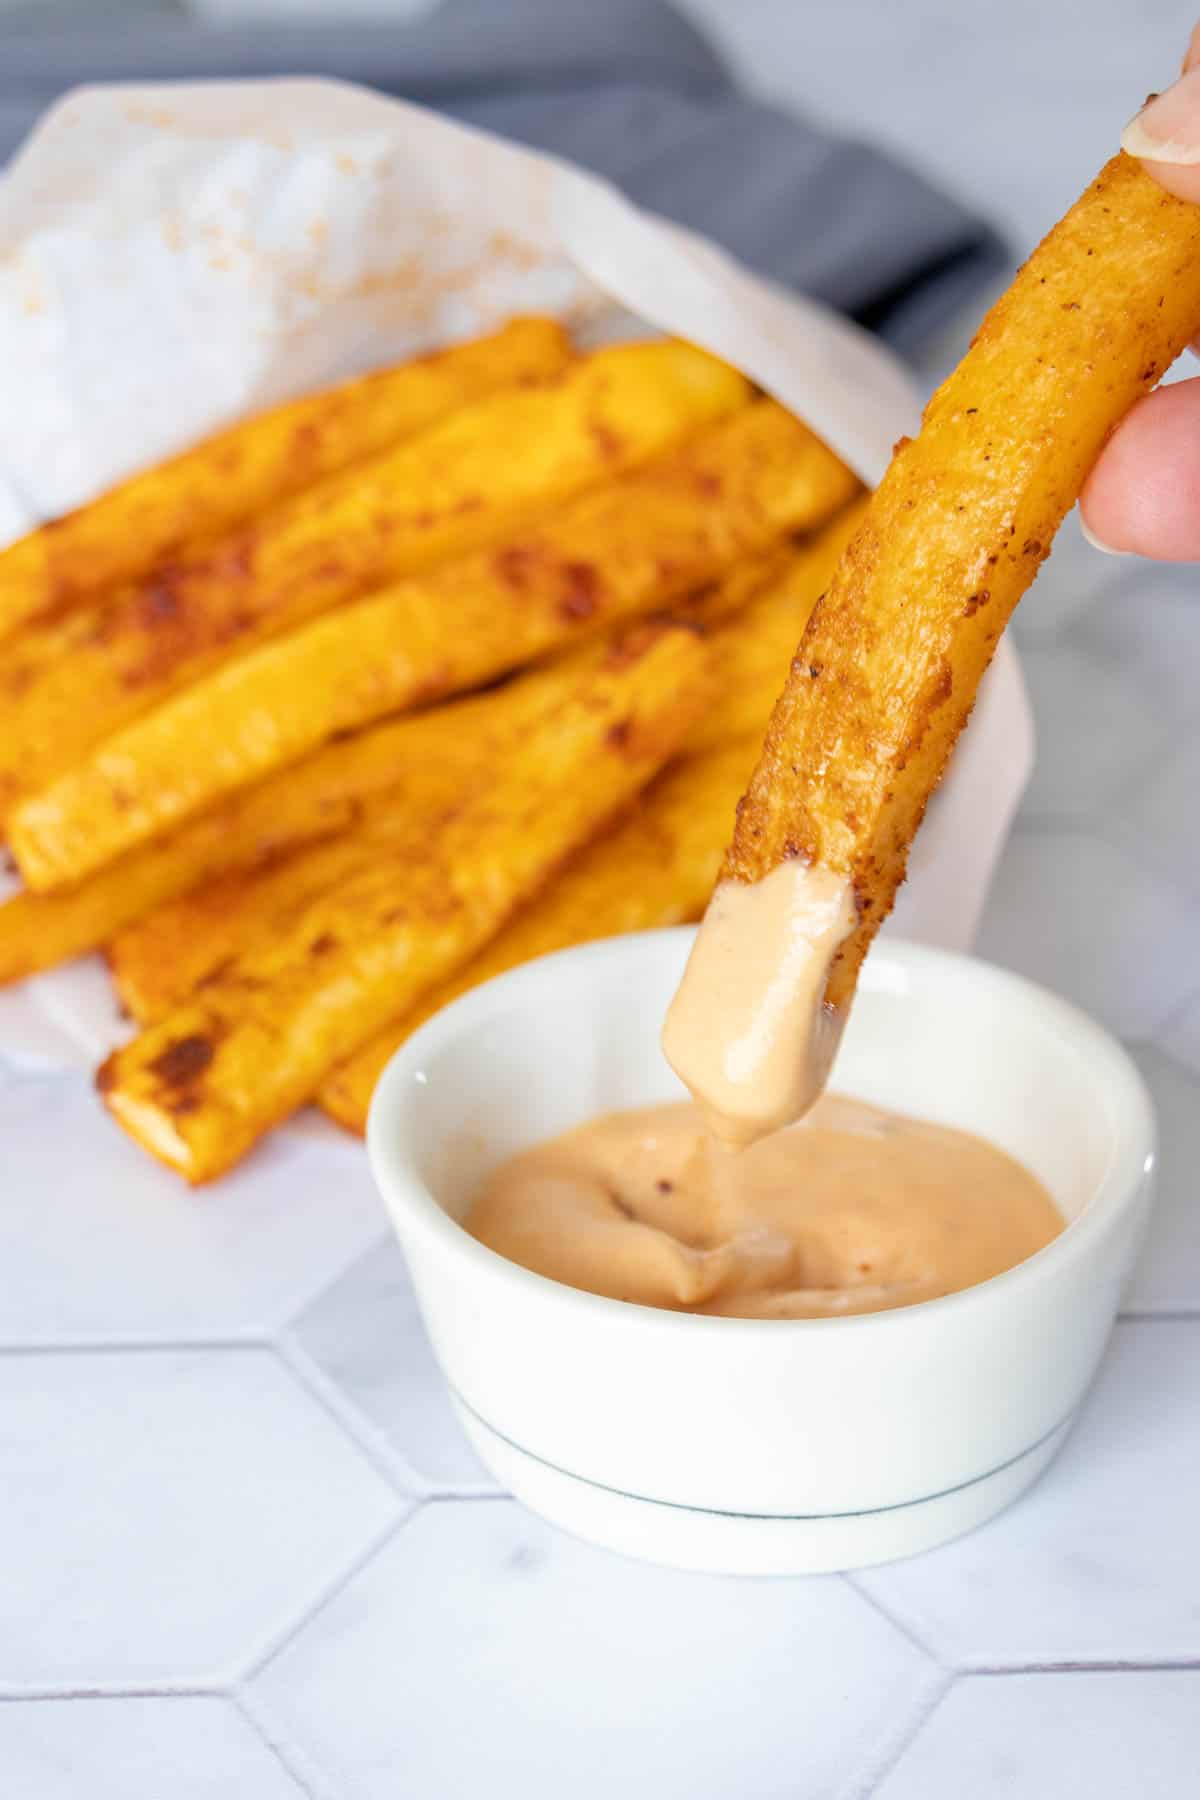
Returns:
(725, 1543)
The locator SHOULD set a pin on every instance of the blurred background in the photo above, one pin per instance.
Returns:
(1008, 108)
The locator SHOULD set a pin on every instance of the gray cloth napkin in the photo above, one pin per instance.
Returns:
(626, 88)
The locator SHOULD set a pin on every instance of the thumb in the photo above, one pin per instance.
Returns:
(1165, 135)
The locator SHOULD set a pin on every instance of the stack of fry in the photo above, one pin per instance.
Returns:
(378, 694)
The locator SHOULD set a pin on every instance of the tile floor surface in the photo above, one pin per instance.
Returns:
(246, 1550)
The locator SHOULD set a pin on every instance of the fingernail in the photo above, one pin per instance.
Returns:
(1098, 543)
(1167, 129)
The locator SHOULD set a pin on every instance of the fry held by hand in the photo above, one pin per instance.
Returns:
(169, 510)
(471, 480)
(627, 548)
(888, 667)
(198, 1088)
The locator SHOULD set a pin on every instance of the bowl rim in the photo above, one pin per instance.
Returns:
(414, 1210)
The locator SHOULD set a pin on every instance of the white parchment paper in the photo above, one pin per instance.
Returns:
(172, 257)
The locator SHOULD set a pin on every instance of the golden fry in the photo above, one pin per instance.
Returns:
(203, 1084)
(627, 548)
(436, 759)
(656, 867)
(169, 510)
(888, 668)
(471, 480)
(325, 795)
(753, 653)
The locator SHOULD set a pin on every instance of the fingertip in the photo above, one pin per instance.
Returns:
(1143, 495)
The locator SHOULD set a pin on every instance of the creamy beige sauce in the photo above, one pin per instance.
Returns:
(853, 1210)
(749, 1032)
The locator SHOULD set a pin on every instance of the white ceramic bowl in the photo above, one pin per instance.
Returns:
(765, 1446)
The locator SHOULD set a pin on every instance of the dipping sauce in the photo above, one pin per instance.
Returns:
(749, 1032)
(852, 1210)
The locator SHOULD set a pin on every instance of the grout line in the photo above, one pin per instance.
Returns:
(115, 1690)
(1167, 1316)
(295, 1762)
(277, 1640)
(456, 1496)
(252, 1339)
(294, 1307)
(383, 1457)
(905, 1738)
(1101, 1665)
(897, 1624)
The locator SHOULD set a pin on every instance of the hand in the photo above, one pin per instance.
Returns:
(1144, 493)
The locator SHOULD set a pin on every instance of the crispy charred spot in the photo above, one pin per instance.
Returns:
(664, 1186)
(709, 485)
(1070, 306)
(515, 564)
(322, 945)
(632, 645)
(106, 1075)
(158, 600)
(217, 973)
(306, 442)
(975, 601)
(617, 736)
(1149, 372)
(1032, 547)
(815, 671)
(182, 1061)
(234, 560)
(581, 586)
(179, 1104)
(971, 410)
(900, 444)
(605, 439)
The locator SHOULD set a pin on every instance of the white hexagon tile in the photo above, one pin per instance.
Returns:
(189, 1747)
(165, 1512)
(1057, 1736)
(483, 1650)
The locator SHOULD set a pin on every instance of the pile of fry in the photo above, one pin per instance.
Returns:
(385, 691)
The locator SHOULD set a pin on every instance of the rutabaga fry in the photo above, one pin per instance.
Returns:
(167, 511)
(753, 653)
(631, 547)
(198, 1088)
(889, 665)
(437, 759)
(656, 867)
(474, 479)
(251, 830)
